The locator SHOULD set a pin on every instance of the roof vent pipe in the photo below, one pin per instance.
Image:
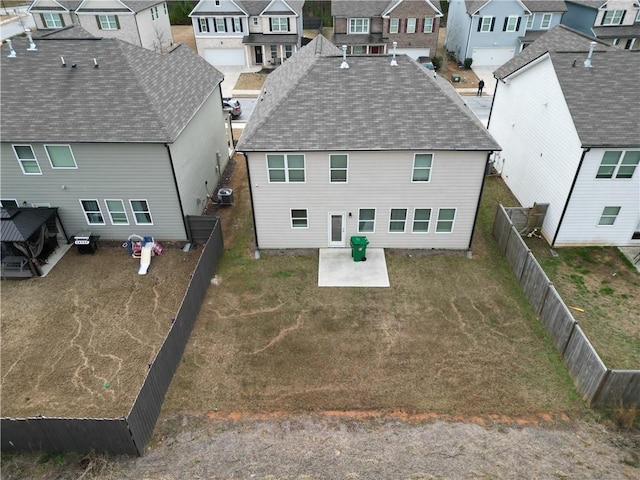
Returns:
(393, 59)
(32, 45)
(64, 64)
(587, 62)
(344, 63)
(12, 52)
(95, 63)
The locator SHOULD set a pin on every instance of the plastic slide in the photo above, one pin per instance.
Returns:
(145, 258)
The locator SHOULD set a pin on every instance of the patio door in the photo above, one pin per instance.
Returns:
(336, 229)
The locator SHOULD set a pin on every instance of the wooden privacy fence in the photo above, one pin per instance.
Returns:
(598, 385)
(125, 435)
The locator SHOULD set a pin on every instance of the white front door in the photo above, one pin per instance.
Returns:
(336, 229)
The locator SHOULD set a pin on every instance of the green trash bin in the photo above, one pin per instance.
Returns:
(359, 248)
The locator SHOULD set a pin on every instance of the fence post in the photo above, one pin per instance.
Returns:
(596, 395)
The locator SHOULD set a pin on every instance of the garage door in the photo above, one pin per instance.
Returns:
(483, 57)
(225, 56)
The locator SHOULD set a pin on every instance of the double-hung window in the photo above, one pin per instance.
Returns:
(339, 165)
(545, 23)
(286, 168)
(358, 25)
(446, 217)
(92, 212)
(117, 212)
(279, 24)
(27, 160)
(141, 212)
(366, 220)
(612, 17)
(485, 24)
(60, 156)
(421, 220)
(609, 215)
(203, 25)
(530, 20)
(397, 220)
(411, 25)
(428, 25)
(422, 163)
(52, 20)
(154, 13)
(299, 218)
(394, 25)
(511, 24)
(219, 24)
(108, 22)
(612, 166)
(237, 24)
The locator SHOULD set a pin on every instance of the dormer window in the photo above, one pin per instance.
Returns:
(358, 25)
(613, 17)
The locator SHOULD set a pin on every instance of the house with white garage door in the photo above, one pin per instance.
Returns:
(491, 32)
(330, 157)
(247, 32)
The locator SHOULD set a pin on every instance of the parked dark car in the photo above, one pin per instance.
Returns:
(232, 106)
(426, 63)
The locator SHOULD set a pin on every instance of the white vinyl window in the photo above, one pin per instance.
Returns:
(220, 24)
(486, 24)
(612, 17)
(366, 220)
(52, 20)
(9, 203)
(27, 159)
(609, 215)
(446, 218)
(61, 156)
(428, 25)
(203, 25)
(358, 25)
(422, 163)
(394, 24)
(397, 220)
(288, 51)
(154, 13)
(611, 166)
(286, 168)
(255, 21)
(117, 212)
(237, 24)
(545, 23)
(92, 212)
(339, 165)
(165, 8)
(299, 218)
(141, 212)
(108, 22)
(358, 50)
(530, 20)
(411, 25)
(511, 24)
(421, 220)
(279, 24)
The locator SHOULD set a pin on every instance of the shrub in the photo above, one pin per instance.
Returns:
(437, 62)
(468, 62)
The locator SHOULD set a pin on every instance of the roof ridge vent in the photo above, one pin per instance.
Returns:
(587, 62)
(32, 45)
(12, 52)
(344, 63)
(394, 63)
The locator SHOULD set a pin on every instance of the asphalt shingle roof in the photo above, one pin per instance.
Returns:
(19, 224)
(361, 8)
(545, 5)
(135, 95)
(310, 103)
(72, 5)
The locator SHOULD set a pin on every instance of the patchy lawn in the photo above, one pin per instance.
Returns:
(451, 335)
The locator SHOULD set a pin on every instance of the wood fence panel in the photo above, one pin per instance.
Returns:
(517, 252)
(557, 319)
(501, 228)
(620, 387)
(584, 365)
(535, 283)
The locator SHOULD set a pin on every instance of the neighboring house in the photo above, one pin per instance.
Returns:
(615, 21)
(491, 32)
(570, 135)
(140, 22)
(371, 27)
(248, 32)
(114, 136)
(330, 155)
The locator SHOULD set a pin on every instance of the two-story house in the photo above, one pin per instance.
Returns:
(247, 32)
(115, 136)
(615, 21)
(372, 27)
(329, 156)
(141, 22)
(569, 129)
(491, 32)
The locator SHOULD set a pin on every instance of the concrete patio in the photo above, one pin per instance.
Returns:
(336, 268)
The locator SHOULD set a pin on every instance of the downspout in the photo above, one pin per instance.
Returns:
(253, 212)
(475, 219)
(466, 49)
(135, 17)
(175, 182)
(566, 205)
(493, 99)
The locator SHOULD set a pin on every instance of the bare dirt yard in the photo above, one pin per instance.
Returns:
(184, 34)
(77, 342)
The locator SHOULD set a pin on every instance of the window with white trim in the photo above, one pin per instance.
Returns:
(358, 50)
(358, 25)
(9, 203)
(613, 17)
(638, 16)
(411, 25)
(117, 213)
(422, 163)
(428, 25)
(27, 159)
(286, 168)
(219, 24)
(338, 166)
(141, 212)
(446, 218)
(366, 220)
(612, 166)
(255, 21)
(237, 24)
(52, 20)
(108, 22)
(203, 24)
(165, 8)
(545, 23)
(274, 51)
(92, 212)
(397, 220)
(217, 2)
(299, 218)
(530, 19)
(421, 220)
(279, 24)
(486, 24)
(511, 23)
(394, 25)
(154, 13)
(61, 156)
(609, 215)
(288, 51)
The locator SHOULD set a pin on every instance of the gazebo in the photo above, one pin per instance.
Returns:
(28, 235)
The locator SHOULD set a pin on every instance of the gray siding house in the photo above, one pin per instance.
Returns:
(323, 166)
(141, 22)
(120, 139)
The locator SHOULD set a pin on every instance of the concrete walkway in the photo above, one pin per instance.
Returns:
(336, 268)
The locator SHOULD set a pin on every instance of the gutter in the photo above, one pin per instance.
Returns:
(493, 99)
(175, 182)
(475, 219)
(566, 205)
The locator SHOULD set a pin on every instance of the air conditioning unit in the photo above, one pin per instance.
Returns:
(225, 196)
